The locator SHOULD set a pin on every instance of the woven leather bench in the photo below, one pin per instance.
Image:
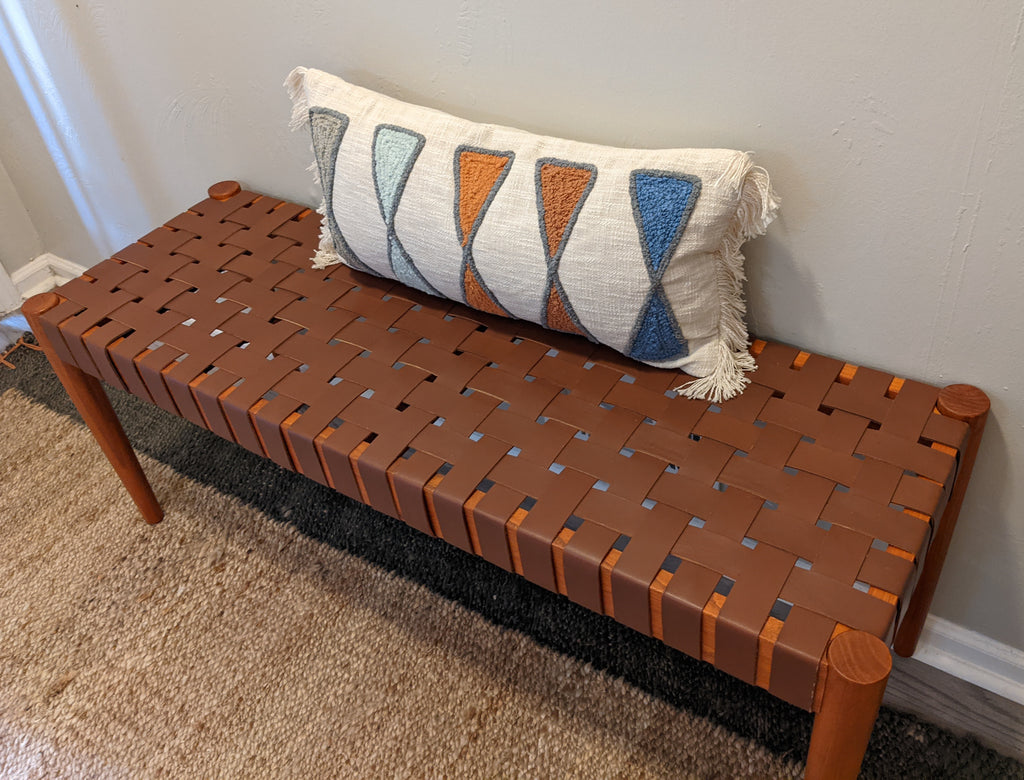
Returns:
(787, 536)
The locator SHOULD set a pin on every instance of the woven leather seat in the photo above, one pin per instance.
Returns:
(748, 534)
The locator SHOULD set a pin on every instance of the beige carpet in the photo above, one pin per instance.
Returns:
(222, 644)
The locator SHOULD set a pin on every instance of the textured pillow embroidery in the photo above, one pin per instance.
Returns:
(479, 173)
(637, 249)
(662, 204)
(562, 189)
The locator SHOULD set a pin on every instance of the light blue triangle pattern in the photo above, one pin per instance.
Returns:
(395, 150)
(405, 271)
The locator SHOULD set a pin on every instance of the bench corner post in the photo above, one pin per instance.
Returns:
(92, 403)
(968, 404)
(858, 670)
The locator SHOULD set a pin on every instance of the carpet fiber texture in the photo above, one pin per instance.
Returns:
(271, 627)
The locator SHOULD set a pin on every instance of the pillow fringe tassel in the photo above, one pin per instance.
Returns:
(758, 206)
(326, 254)
(300, 104)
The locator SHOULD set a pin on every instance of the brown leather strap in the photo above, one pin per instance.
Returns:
(746, 533)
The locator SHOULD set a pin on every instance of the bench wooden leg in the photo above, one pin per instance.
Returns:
(859, 666)
(94, 406)
(967, 403)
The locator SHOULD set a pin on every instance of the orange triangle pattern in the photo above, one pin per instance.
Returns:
(477, 296)
(558, 316)
(561, 188)
(478, 173)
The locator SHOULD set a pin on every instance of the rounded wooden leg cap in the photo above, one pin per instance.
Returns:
(962, 402)
(223, 190)
(40, 304)
(859, 658)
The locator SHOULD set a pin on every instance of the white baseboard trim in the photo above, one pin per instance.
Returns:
(972, 657)
(43, 274)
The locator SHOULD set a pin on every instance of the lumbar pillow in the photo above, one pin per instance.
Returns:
(636, 249)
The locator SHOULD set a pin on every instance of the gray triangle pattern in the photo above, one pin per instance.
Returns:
(328, 128)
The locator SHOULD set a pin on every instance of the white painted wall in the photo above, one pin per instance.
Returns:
(29, 184)
(19, 240)
(894, 132)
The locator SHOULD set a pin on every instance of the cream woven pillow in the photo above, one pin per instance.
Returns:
(637, 249)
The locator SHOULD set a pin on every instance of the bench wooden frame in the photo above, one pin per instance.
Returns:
(422, 409)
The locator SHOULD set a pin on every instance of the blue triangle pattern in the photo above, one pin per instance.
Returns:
(662, 204)
(656, 338)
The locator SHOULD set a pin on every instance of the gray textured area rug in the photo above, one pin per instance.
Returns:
(271, 628)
